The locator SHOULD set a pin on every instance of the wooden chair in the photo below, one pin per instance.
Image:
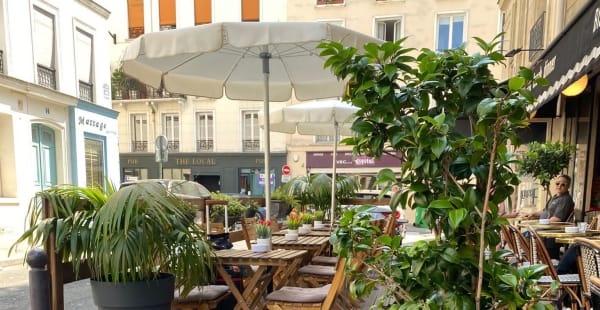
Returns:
(299, 298)
(594, 223)
(568, 283)
(588, 263)
(215, 228)
(249, 231)
(205, 297)
(274, 224)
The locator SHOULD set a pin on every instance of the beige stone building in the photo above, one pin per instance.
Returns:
(560, 41)
(212, 141)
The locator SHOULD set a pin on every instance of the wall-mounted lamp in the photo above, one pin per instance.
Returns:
(576, 87)
(515, 51)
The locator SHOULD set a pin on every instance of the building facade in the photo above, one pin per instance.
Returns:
(560, 41)
(216, 142)
(55, 107)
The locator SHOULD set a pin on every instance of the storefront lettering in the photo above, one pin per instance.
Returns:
(364, 161)
(259, 161)
(596, 20)
(132, 161)
(195, 161)
(92, 123)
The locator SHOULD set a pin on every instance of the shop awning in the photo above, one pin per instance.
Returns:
(571, 55)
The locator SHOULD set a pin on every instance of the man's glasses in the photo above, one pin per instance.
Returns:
(561, 184)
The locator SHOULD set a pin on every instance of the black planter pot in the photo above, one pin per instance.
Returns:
(143, 295)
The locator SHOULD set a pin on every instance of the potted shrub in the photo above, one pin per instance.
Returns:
(140, 239)
(293, 222)
(307, 221)
(318, 218)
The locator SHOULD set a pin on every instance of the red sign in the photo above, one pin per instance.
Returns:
(285, 170)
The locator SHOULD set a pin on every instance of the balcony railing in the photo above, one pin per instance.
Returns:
(135, 32)
(2, 61)
(86, 91)
(173, 146)
(139, 146)
(46, 76)
(251, 145)
(325, 2)
(204, 145)
(137, 90)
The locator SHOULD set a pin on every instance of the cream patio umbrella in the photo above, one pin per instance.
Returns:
(322, 117)
(262, 61)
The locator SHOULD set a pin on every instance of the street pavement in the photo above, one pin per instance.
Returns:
(14, 277)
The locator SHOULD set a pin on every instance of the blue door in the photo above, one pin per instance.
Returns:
(44, 150)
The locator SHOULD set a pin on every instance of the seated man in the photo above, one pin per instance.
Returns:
(558, 209)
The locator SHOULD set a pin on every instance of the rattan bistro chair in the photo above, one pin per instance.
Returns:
(595, 292)
(588, 263)
(300, 298)
(520, 246)
(568, 283)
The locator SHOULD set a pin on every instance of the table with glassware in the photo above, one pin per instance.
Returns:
(535, 224)
(312, 233)
(284, 264)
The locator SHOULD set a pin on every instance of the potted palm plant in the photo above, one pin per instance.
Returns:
(139, 242)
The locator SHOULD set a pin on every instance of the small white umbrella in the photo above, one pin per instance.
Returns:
(207, 59)
(327, 117)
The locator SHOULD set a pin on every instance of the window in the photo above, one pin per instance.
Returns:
(250, 134)
(171, 131)
(250, 10)
(204, 132)
(134, 174)
(83, 58)
(389, 29)
(252, 181)
(177, 173)
(44, 47)
(450, 28)
(324, 139)
(135, 14)
(94, 161)
(202, 12)
(325, 2)
(139, 133)
(167, 18)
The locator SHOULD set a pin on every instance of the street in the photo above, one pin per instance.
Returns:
(14, 291)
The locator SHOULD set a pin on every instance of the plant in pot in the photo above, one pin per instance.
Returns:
(139, 239)
(451, 120)
(318, 218)
(293, 223)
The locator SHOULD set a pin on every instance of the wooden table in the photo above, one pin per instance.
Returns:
(314, 245)
(312, 233)
(285, 263)
(563, 234)
(571, 240)
(552, 226)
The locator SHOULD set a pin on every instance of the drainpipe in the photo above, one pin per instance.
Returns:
(559, 19)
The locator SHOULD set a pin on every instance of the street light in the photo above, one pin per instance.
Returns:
(515, 51)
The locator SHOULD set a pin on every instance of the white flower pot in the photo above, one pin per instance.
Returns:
(266, 242)
(318, 224)
(260, 247)
(289, 236)
(307, 227)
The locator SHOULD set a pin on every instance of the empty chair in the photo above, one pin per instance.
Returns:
(300, 298)
(588, 263)
(568, 283)
(249, 231)
(521, 246)
(205, 297)
(595, 292)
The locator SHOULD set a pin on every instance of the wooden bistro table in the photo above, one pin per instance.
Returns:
(568, 238)
(312, 233)
(551, 226)
(314, 245)
(284, 263)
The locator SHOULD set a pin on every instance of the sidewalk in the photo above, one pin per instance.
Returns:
(7, 238)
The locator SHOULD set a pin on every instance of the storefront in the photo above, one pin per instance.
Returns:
(571, 64)
(363, 168)
(232, 173)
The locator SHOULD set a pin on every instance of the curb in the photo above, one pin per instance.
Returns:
(11, 262)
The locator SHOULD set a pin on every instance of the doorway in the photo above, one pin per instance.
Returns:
(211, 182)
(44, 149)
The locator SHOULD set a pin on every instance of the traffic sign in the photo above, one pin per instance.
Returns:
(286, 170)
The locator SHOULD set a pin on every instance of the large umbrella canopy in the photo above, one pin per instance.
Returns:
(327, 117)
(248, 61)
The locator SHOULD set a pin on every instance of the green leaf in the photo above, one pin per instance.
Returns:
(516, 83)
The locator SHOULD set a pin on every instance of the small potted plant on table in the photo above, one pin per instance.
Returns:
(293, 222)
(307, 220)
(263, 236)
(318, 218)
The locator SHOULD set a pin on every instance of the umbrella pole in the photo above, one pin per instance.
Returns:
(265, 56)
(333, 200)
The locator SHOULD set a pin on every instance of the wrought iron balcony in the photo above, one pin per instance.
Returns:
(173, 146)
(46, 76)
(139, 146)
(204, 145)
(251, 145)
(86, 91)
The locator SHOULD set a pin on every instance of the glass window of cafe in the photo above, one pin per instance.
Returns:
(252, 181)
(579, 111)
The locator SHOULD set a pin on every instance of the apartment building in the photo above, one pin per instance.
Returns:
(560, 41)
(431, 24)
(57, 125)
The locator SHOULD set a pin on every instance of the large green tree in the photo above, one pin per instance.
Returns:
(451, 120)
